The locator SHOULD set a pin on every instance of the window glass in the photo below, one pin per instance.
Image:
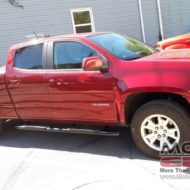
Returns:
(29, 57)
(69, 55)
(82, 17)
(123, 47)
(83, 29)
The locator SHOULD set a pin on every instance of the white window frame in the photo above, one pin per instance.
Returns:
(87, 24)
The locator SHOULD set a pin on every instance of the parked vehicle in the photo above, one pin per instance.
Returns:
(100, 78)
(177, 42)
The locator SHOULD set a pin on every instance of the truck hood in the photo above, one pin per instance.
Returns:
(166, 69)
(182, 54)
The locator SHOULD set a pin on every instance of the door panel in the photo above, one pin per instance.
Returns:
(82, 96)
(28, 84)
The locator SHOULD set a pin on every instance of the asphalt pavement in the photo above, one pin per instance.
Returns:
(31, 160)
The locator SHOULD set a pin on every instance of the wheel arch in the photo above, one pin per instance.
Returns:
(136, 100)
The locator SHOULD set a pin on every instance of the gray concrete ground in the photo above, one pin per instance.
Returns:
(38, 160)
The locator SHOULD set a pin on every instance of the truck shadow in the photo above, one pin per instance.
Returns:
(121, 146)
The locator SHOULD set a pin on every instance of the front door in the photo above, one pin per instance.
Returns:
(78, 95)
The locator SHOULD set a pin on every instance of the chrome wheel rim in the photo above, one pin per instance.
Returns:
(160, 132)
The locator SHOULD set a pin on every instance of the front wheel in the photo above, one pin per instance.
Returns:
(160, 125)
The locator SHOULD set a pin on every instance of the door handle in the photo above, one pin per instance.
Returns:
(12, 81)
(55, 82)
(60, 82)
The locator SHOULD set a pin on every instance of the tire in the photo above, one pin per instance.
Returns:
(161, 117)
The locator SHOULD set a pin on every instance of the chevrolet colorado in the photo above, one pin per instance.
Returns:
(100, 78)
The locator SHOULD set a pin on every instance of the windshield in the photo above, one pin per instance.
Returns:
(123, 47)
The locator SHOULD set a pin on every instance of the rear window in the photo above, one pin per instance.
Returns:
(29, 57)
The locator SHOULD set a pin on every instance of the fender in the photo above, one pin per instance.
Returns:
(123, 97)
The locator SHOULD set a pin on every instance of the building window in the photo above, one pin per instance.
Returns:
(83, 20)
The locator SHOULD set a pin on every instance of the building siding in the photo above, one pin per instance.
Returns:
(176, 16)
(151, 21)
(54, 18)
(121, 16)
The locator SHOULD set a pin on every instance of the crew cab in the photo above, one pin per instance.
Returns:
(101, 79)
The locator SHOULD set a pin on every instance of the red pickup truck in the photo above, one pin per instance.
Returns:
(100, 78)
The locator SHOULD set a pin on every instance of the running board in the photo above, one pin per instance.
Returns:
(68, 130)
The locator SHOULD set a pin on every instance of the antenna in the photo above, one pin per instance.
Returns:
(35, 35)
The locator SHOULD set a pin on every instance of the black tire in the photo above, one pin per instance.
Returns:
(163, 107)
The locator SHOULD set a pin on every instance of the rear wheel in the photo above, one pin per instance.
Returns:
(160, 125)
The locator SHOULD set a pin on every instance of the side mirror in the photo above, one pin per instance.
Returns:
(94, 64)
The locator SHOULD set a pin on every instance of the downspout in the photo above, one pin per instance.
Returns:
(142, 21)
(160, 19)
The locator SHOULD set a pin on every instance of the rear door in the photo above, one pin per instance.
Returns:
(27, 83)
(78, 95)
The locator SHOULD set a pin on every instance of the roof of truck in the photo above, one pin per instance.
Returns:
(54, 38)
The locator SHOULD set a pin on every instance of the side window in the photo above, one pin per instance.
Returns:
(29, 57)
(69, 55)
